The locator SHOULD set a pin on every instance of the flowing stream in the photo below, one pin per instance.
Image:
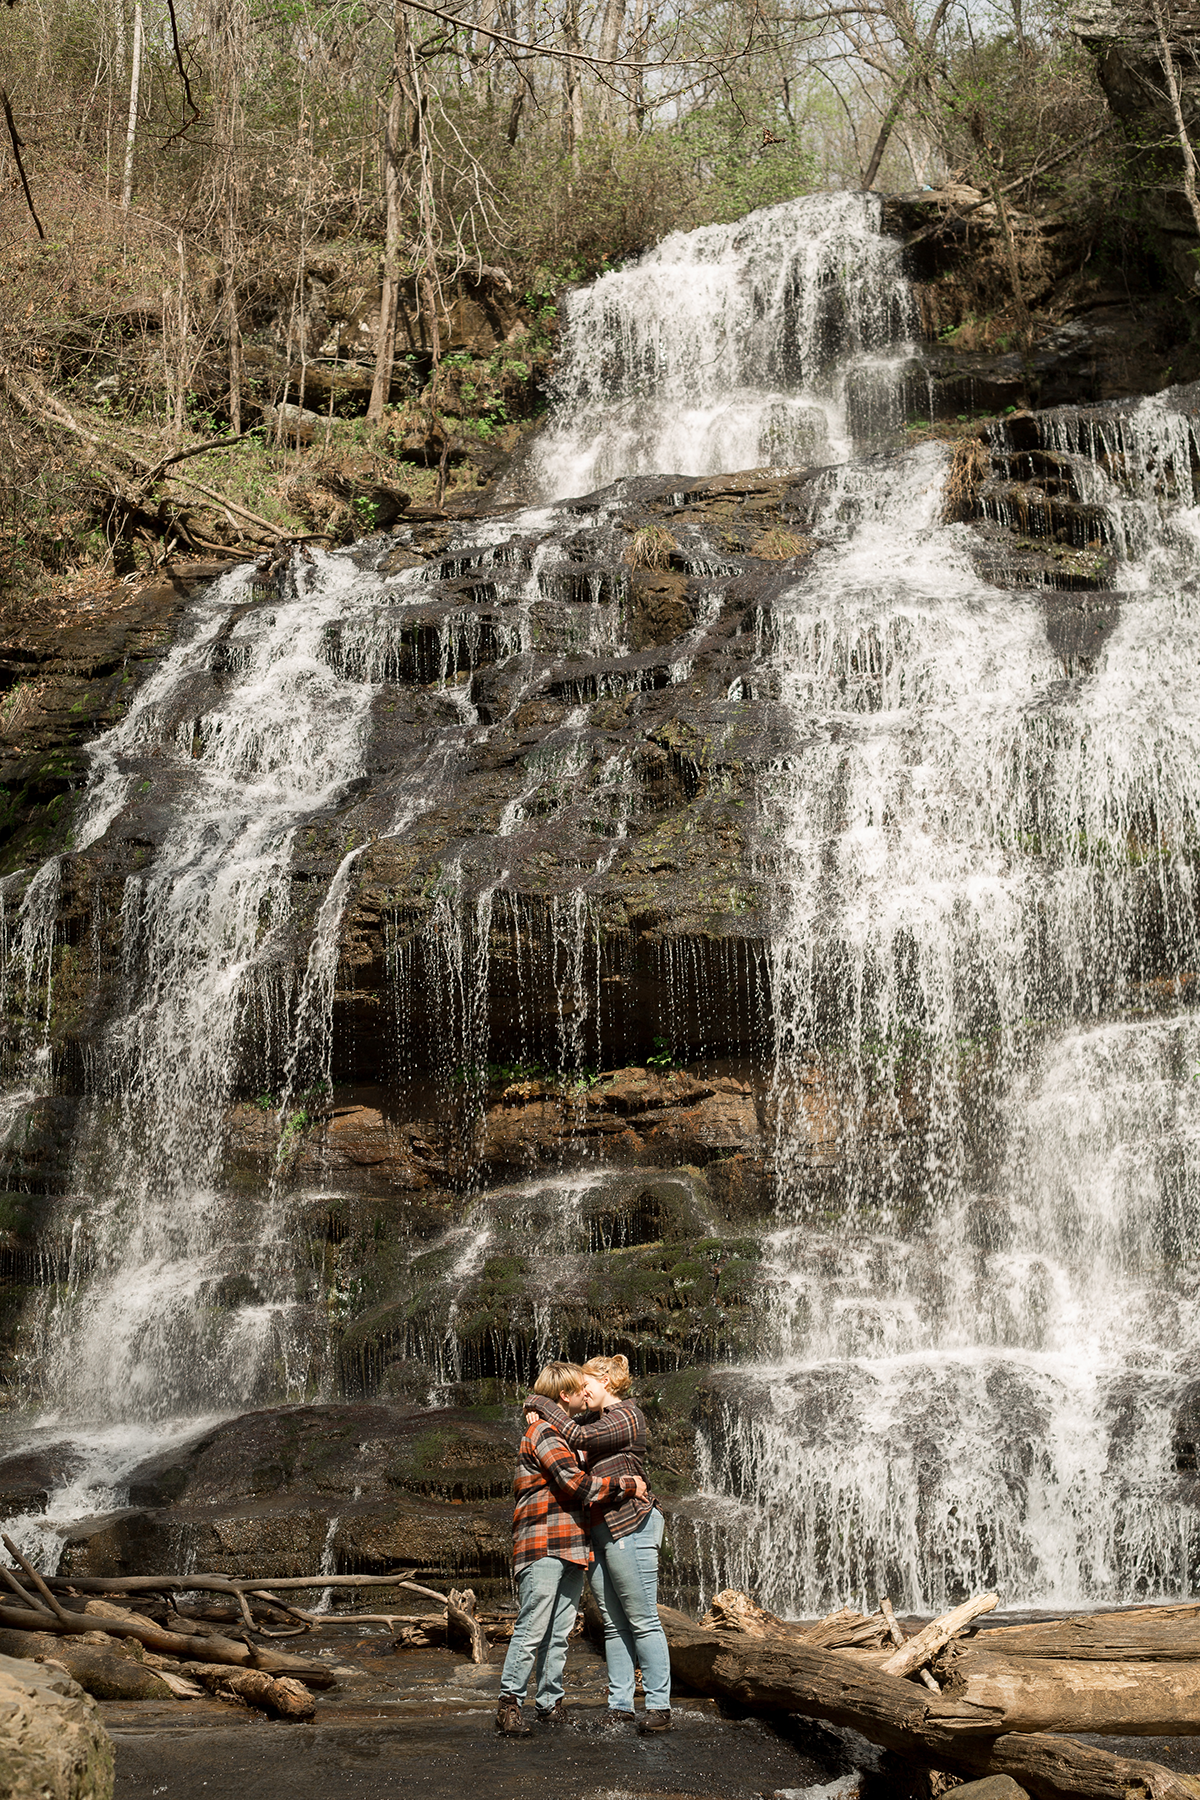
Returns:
(981, 979)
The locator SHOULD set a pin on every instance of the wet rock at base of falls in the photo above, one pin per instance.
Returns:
(52, 1743)
(29, 1477)
(351, 1487)
(105, 1674)
(286, 1491)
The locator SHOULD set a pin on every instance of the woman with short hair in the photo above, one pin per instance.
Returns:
(626, 1534)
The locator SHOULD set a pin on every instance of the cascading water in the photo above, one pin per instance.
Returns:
(982, 1305)
(774, 340)
(983, 978)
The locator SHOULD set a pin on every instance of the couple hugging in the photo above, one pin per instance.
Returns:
(581, 1494)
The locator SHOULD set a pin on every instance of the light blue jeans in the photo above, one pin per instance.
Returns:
(625, 1582)
(549, 1592)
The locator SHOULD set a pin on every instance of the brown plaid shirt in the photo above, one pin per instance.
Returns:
(611, 1443)
(553, 1495)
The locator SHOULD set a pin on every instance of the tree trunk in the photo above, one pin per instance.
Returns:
(637, 83)
(135, 78)
(610, 43)
(916, 70)
(1113, 1699)
(395, 186)
(1175, 96)
(573, 109)
(782, 1676)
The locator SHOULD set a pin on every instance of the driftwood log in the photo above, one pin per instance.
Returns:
(461, 1625)
(1138, 1634)
(197, 1646)
(1121, 1699)
(459, 1604)
(919, 1650)
(779, 1674)
(188, 1657)
(1133, 1673)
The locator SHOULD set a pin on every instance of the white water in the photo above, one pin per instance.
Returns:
(235, 763)
(763, 342)
(981, 978)
(980, 995)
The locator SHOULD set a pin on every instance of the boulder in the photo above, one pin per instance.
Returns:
(52, 1744)
(28, 1477)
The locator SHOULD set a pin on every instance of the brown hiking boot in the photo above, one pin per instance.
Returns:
(510, 1719)
(552, 1715)
(618, 1718)
(654, 1721)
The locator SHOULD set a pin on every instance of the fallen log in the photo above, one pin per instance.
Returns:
(217, 1584)
(1139, 1634)
(968, 1740)
(212, 1649)
(898, 1638)
(459, 1606)
(46, 1596)
(278, 1696)
(919, 1650)
(460, 1613)
(1117, 1699)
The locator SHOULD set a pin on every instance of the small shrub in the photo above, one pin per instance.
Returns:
(969, 467)
(778, 545)
(651, 548)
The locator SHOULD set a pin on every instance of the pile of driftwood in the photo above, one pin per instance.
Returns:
(190, 1658)
(988, 1702)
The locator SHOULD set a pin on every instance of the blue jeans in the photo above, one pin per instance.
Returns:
(549, 1593)
(625, 1582)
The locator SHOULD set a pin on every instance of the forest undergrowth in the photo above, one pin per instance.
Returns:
(292, 268)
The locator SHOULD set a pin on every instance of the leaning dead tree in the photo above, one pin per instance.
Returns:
(1003, 1700)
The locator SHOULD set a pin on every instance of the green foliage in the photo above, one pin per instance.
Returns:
(1007, 107)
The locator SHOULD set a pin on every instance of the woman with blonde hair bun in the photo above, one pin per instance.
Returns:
(625, 1537)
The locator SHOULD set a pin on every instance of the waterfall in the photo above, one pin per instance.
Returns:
(774, 340)
(980, 1304)
(981, 987)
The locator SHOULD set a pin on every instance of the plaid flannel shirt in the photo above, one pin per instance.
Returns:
(611, 1443)
(553, 1493)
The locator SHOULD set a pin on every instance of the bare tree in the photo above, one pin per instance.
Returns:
(135, 79)
(227, 28)
(1175, 96)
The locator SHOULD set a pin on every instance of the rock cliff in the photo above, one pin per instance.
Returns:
(550, 1121)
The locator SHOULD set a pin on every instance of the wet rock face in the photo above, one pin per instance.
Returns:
(1099, 332)
(551, 1126)
(62, 684)
(340, 1487)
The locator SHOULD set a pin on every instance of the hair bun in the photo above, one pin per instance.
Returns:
(612, 1370)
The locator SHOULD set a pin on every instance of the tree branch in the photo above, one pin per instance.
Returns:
(15, 141)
